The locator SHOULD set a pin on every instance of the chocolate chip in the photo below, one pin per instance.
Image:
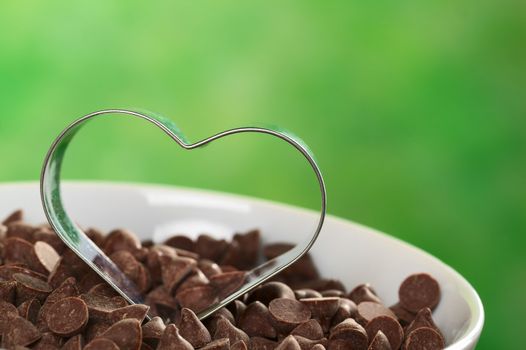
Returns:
(7, 272)
(153, 264)
(423, 318)
(75, 263)
(232, 256)
(146, 346)
(306, 343)
(228, 282)
(219, 344)
(174, 270)
(68, 288)
(211, 322)
(21, 332)
(17, 215)
(51, 238)
(127, 334)
(101, 344)
(8, 291)
(348, 334)
(333, 293)
(28, 287)
(258, 343)
(74, 343)
(307, 293)
(273, 250)
(192, 329)
(142, 278)
(237, 308)
(48, 341)
(181, 242)
(137, 312)
(8, 312)
(96, 236)
(20, 230)
(100, 306)
(239, 345)
(318, 284)
(3, 232)
(418, 291)
(249, 243)
(342, 344)
(195, 279)
(95, 328)
(133, 269)
(160, 295)
(228, 268)
(379, 342)
(270, 291)
(172, 340)
(346, 308)
(364, 292)
(20, 251)
(225, 329)
(67, 317)
(103, 289)
(389, 326)
(288, 313)
(318, 347)
(121, 240)
(162, 249)
(210, 248)
(197, 298)
(89, 280)
(289, 343)
(310, 330)
(256, 321)
(186, 254)
(61, 272)
(162, 304)
(141, 254)
(322, 309)
(404, 317)
(29, 309)
(424, 338)
(47, 255)
(152, 331)
(367, 310)
(303, 269)
(209, 267)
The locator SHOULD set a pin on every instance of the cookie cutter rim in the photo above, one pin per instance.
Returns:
(94, 257)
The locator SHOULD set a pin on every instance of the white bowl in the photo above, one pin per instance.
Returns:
(344, 250)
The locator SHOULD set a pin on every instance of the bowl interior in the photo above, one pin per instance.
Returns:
(344, 250)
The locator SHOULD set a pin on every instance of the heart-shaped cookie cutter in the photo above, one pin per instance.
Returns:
(93, 256)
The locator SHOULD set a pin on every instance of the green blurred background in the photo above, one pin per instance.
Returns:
(415, 110)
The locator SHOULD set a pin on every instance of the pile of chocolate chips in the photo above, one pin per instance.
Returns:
(49, 299)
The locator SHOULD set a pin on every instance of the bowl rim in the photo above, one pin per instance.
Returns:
(468, 292)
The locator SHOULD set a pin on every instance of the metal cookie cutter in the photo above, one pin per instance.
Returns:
(92, 255)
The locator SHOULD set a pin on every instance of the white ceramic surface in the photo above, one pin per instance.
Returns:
(345, 250)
